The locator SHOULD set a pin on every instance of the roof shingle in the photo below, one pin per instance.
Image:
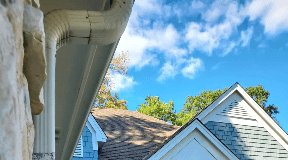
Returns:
(130, 134)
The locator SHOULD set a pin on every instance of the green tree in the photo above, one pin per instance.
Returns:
(260, 95)
(158, 109)
(106, 98)
(195, 104)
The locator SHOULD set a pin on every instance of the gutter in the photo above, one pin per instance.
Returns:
(74, 27)
(87, 27)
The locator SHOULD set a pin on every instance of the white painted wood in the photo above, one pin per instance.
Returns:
(100, 135)
(82, 89)
(197, 131)
(60, 26)
(45, 122)
(97, 133)
(194, 150)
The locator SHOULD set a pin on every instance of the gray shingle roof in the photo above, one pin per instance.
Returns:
(130, 134)
(248, 142)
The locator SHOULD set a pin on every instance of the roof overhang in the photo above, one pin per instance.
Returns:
(85, 35)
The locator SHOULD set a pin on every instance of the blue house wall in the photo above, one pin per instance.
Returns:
(88, 152)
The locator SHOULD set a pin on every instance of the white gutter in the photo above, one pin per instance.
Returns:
(87, 27)
(73, 27)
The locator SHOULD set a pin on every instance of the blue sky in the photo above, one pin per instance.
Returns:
(180, 48)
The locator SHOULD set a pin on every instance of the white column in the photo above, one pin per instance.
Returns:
(44, 143)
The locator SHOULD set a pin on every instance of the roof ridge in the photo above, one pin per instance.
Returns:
(140, 115)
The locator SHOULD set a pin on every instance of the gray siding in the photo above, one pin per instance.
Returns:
(248, 142)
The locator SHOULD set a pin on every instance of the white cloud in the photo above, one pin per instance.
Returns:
(206, 38)
(168, 70)
(140, 41)
(246, 36)
(228, 49)
(262, 45)
(272, 13)
(212, 14)
(151, 41)
(217, 9)
(197, 4)
(216, 66)
(193, 65)
(136, 45)
(147, 39)
(122, 82)
(148, 6)
(209, 36)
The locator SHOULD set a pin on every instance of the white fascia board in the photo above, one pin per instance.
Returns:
(272, 127)
(95, 129)
(196, 124)
(276, 131)
(97, 133)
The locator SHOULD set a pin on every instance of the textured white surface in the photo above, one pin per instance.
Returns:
(17, 130)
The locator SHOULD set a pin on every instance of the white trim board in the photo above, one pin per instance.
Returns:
(195, 131)
(97, 133)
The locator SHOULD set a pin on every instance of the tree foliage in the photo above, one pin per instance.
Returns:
(106, 98)
(158, 109)
(195, 104)
(260, 95)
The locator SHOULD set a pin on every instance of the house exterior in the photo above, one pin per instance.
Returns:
(232, 127)
(80, 41)
(55, 54)
(91, 140)
(130, 135)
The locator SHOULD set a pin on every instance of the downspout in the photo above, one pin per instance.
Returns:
(73, 27)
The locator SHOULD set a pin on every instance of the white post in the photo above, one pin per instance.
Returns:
(44, 144)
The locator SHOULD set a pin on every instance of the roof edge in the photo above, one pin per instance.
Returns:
(188, 128)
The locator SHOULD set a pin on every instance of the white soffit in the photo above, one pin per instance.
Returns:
(194, 134)
(237, 107)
